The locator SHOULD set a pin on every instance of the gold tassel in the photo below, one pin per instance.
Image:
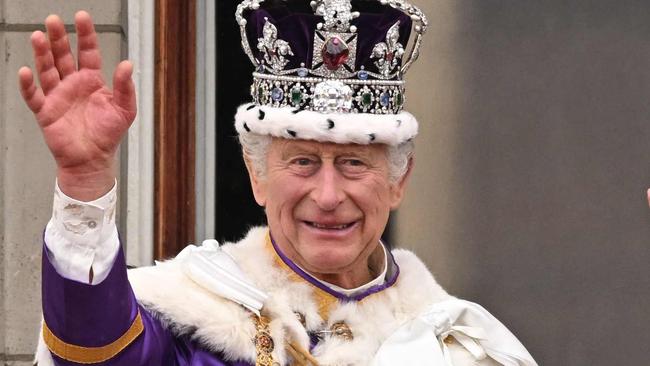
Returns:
(300, 356)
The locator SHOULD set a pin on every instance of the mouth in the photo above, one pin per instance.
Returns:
(329, 227)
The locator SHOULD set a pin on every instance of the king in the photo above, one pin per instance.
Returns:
(329, 150)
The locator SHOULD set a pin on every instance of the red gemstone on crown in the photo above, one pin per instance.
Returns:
(335, 53)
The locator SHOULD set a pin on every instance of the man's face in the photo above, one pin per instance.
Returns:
(327, 204)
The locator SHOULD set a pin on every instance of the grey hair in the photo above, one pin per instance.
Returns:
(399, 159)
(255, 147)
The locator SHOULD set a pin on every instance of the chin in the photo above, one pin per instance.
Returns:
(327, 260)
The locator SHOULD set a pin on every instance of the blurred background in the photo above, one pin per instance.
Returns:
(532, 162)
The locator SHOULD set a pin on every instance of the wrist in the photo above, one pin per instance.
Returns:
(86, 186)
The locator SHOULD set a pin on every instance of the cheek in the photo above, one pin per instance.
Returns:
(284, 194)
(373, 197)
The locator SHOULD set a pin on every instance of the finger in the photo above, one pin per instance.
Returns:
(32, 94)
(124, 89)
(47, 73)
(648, 197)
(87, 46)
(60, 45)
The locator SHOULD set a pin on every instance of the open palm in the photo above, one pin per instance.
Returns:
(82, 120)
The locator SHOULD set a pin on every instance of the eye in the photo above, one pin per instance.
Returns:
(303, 165)
(303, 162)
(352, 165)
(353, 162)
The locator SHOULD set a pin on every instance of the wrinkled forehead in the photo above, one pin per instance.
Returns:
(289, 147)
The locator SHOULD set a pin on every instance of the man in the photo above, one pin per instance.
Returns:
(329, 151)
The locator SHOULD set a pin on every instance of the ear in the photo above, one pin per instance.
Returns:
(257, 184)
(398, 189)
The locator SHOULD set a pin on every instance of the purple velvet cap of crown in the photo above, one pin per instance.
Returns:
(296, 24)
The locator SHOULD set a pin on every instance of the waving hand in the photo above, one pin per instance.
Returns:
(82, 120)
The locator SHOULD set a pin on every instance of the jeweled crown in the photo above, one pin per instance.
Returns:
(329, 57)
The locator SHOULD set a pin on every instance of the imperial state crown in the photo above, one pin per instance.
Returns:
(330, 70)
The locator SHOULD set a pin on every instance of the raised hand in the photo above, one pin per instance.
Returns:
(81, 119)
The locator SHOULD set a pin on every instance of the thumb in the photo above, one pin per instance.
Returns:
(124, 89)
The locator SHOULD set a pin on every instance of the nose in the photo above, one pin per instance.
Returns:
(328, 192)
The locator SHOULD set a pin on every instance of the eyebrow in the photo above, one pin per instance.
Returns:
(342, 152)
(297, 150)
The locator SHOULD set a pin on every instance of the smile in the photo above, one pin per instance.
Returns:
(328, 226)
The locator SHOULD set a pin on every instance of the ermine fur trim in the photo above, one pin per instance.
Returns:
(350, 128)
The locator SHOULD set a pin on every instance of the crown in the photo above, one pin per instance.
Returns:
(330, 58)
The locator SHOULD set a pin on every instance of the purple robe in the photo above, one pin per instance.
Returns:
(94, 316)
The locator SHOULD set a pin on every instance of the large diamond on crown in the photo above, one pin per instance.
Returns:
(334, 54)
(332, 96)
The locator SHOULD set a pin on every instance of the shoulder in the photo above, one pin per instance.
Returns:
(416, 280)
(183, 306)
(167, 284)
(436, 307)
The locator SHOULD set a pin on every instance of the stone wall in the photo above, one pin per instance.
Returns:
(26, 168)
(532, 164)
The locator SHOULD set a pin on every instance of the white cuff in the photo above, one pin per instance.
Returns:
(83, 235)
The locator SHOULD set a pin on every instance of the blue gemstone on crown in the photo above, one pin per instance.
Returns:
(363, 75)
(384, 99)
(277, 94)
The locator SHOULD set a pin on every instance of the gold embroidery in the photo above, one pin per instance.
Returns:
(264, 344)
(89, 355)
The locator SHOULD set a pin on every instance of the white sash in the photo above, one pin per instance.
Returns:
(217, 272)
(421, 341)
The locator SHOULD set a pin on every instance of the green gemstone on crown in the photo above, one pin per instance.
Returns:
(399, 99)
(296, 96)
(366, 99)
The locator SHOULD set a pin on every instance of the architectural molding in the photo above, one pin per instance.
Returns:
(206, 139)
(175, 127)
(140, 140)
